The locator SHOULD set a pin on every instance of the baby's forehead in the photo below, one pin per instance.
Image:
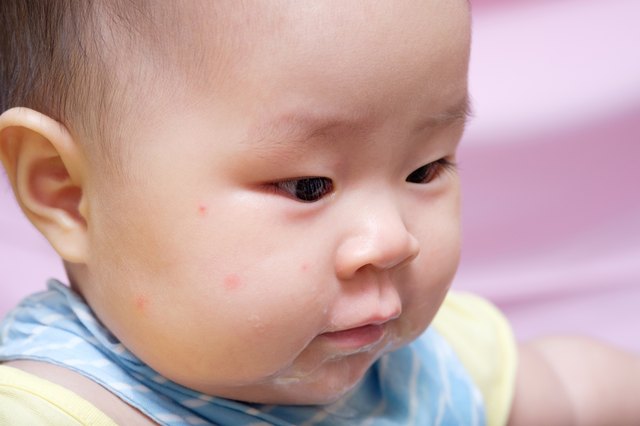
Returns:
(201, 34)
(205, 48)
(178, 44)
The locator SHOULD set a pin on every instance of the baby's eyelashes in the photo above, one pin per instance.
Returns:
(430, 172)
(312, 189)
(307, 190)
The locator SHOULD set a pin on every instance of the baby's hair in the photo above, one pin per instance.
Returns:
(74, 60)
(51, 62)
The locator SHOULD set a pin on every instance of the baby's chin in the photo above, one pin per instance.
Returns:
(323, 385)
(297, 385)
(314, 382)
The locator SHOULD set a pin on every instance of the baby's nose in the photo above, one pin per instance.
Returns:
(380, 239)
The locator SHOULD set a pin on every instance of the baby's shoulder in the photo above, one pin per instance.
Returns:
(483, 340)
(38, 392)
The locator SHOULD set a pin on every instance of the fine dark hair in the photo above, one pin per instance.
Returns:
(85, 63)
(47, 62)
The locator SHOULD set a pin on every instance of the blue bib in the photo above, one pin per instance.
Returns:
(421, 384)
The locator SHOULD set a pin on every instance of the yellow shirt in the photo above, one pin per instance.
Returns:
(475, 329)
(31, 401)
(482, 338)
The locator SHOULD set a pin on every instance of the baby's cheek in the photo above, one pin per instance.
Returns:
(243, 312)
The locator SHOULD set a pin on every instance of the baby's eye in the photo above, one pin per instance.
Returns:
(429, 172)
(306, 189)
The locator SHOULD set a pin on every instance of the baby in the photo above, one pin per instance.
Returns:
(258, 210)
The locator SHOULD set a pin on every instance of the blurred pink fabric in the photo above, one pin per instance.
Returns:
(549, 166)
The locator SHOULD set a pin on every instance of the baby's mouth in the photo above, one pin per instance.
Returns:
(357, 339)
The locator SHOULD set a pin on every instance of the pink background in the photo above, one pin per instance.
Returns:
(549, 166)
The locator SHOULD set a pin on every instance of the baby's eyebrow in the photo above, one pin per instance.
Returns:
(299, 126)
(458, 112)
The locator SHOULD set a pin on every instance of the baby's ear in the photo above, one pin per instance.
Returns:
(46, 169)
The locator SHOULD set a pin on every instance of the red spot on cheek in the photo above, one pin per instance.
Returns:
(232, 282)
(202, 210)
(305, 267)
(141, 302)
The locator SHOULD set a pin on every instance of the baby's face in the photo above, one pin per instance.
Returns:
(284, 230)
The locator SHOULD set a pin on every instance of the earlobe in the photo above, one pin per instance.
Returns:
(46, 170)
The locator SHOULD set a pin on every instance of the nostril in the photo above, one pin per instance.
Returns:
(398, 255)
(408, 260)
(414, 249)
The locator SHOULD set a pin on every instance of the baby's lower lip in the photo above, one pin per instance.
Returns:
(355, 338)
